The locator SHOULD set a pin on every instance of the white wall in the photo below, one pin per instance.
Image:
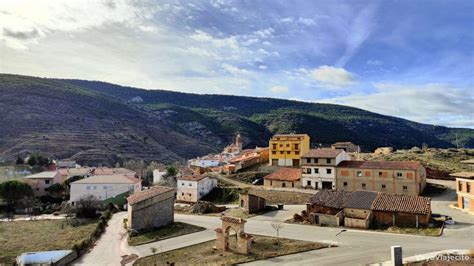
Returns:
(205, 186)
(204, 162)
(100, 191)
(158, 175)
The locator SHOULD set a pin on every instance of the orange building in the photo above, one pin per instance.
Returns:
(465, 191)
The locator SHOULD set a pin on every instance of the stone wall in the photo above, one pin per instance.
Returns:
(157, 214)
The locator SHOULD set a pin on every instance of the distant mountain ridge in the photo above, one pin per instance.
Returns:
(95, 121)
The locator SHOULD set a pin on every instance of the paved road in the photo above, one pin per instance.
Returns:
(355, 247)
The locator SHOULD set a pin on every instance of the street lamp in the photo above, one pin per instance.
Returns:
(340, 232)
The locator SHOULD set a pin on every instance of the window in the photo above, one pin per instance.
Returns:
(364, 186)
(459, 186)
(405, 188)
(182, 184)
(274, 146)
(384, 186)
(328, 161)
(380, 174)
(281, 145)
(468, 187)
(190, 185)
(281, 152)
(359, 173)
(297, 147)
(344, 184)
(308, 160)
(399, 174)
(274, 152)
(271, 182)
(328, 171)
(46, 181)
(95, 187)
(283, 184)
(288, 152)
(316, 170)
(297, 152)
(287, 145)
(88, 187)
(308, 170)
(105, 187)
(308, 183)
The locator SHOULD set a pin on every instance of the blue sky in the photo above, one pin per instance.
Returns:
(411, 59)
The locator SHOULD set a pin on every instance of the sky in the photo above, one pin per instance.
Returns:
(410, 59)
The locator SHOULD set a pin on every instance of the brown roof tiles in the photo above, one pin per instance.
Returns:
(322, 153)
(285, 174)
(192, 177)
(380, 165)
(402, 203)
(147, 194)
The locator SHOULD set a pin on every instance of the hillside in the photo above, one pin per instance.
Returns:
(99, 122)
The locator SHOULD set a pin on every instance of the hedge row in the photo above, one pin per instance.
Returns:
(85, 244)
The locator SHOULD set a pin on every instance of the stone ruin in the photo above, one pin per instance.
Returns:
(244, 240)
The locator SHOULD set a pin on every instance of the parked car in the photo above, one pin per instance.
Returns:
(258, 181)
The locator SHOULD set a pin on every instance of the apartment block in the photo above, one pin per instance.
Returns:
(286, 149)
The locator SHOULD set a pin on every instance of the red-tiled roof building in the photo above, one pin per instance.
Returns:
(284, 177)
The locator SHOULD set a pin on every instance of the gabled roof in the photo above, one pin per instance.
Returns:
(45, 174)
(322, 153)
(108, 179)
(285, 174)
(331, 198)
(402, 203)
(468, 175)
(148, 194)
(191, 177)
(393, 165)
(361, 200)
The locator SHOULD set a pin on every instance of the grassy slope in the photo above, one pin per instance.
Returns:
(173, 230)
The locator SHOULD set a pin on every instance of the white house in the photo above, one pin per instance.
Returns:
(319, 167)
(192, 188)
(41, 182)
(104, 186)
(205, 162)
(158, 175)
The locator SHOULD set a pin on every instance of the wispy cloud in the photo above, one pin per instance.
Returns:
(333, 77)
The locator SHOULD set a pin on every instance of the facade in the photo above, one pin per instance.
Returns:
(286, 149)
(251, 203)
(104, 186)
(158, 175)
(465, 190)
(319, 168)
(204, 162)
(151, 208)
(192, 188)
(41, 182)
(407, 178)
(364, 209)
(236, 147)
(285, 177)
(347, 146)
(247, 158)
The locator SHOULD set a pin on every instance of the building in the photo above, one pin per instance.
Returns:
(67, 173)
(346, 146)
(465, 191)
(408, 178)
(53, 257)
(251, 203)
(285, 177)
(236, 147)
(365, 209)
(383, 150)
(151, 208)
(206, 161)
(286, 149)
(66, 163)
(192, 188)
(158, 175)
(114, 171)
(104, 186)
(247, 158)
(319, 168)
(41, 182)
(401, 210)
(469, 162)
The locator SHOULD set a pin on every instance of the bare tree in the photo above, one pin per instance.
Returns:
(277, 225)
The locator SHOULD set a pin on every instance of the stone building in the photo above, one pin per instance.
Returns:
(285, 177)
(346, 146)
(151, 208)
(251, 203)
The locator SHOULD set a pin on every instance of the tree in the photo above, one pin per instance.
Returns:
(32, 160)
(13, 191)
(277, 225)
(19, 160)
(171, 171)
(56, 190)
(87, 207)
(36, 159)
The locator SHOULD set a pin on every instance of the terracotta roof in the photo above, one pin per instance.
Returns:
(361, 200)
(331, 198)
(191, 177)
(380, 165)
(45, 174)
(147, 194)
(239, 159)
(290, 135)
(402, 203)
(322, 153)
(108, 179)
(285, 174)
(463, 175)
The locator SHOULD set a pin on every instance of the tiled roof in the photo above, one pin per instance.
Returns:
(361, 200)
(108, 179)
(290, 135)
(285, 174)
(463, 175)
(380, 165)
(113, 171)
(45, 174)
(331, 198)
(147, 194)
(322, 153)
(402, 203)
(191, 177)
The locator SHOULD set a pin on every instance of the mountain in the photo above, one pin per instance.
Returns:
(97, 122)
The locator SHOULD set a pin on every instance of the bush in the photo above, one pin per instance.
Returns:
(87, 207)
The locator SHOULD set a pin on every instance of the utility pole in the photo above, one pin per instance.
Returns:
(457, 142)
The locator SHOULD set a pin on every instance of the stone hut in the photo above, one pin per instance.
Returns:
(251, 203)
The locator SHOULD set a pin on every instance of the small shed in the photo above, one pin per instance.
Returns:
(401, 210)
(251, 203)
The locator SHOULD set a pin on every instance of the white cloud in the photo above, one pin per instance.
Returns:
(440, 104)
(279, 89)
(371, 62)
(234, 70)
(306, 21)
(333, 77)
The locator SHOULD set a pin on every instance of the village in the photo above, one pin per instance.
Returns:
(240, 206)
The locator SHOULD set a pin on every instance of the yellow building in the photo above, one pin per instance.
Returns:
(286, 149)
